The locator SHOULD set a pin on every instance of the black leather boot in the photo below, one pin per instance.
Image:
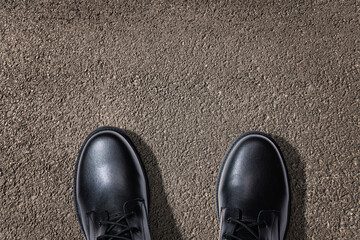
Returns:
(110, 188)
(252, 191)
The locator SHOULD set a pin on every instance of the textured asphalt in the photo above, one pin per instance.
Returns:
(183, 79)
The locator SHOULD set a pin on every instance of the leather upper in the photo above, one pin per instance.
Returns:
(252, 186)
(109, 180)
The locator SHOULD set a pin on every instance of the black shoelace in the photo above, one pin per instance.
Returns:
(245, 229)
(117, 228)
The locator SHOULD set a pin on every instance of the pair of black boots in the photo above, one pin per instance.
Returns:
(111, 190)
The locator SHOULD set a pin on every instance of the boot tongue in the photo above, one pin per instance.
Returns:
(116, 229)
(238, 229)
(244, 233)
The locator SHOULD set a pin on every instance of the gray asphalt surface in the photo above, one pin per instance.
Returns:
(183, 79)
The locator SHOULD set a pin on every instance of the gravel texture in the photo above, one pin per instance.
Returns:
(183, 78)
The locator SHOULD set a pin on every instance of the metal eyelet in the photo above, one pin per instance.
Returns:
(228, 220)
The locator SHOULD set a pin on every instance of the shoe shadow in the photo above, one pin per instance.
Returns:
(296, 174)
(161, 220)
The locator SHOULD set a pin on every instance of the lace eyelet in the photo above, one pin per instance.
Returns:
(225, 236)
(228, 220)
(135, 230)
(99, 223)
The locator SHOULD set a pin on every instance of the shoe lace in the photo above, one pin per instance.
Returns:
(248, 229)
(117, 228)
